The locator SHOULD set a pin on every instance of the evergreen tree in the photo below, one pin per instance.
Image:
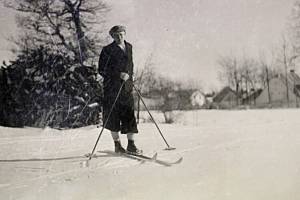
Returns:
(48, 89)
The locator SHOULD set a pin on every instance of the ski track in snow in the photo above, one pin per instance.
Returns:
(95, 164)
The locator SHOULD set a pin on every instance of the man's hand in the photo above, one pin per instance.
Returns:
(124, 76)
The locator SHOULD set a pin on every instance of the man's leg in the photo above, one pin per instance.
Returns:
(113, 124)
(118, 146)
(115, 136)
(128, 124)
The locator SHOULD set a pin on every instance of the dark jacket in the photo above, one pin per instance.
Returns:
(113, 60)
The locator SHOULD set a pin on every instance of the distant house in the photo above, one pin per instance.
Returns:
(277, 93)
(175, 100)
(185, 99)
(197, 99)
(250, 97)
(226, 98)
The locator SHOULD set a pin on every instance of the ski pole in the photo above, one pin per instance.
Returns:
(104, 125)
(168, 146)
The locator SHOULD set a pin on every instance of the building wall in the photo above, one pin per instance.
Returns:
(277, 93)
(197, 99)
(228, 101)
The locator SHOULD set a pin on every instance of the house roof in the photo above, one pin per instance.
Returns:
(253, 94)
(294, 78)
(220, 96)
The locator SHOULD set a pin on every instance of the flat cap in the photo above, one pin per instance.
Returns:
(116, 29)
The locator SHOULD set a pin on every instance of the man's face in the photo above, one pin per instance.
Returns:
(119, 37)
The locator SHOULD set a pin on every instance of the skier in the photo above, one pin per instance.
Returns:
(116, 68)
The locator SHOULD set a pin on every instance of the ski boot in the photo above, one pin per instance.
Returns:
(132, 149)
(118, 147)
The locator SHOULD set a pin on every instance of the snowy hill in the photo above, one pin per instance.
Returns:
(230, 155)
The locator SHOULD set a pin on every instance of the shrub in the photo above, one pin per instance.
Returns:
(49, 89)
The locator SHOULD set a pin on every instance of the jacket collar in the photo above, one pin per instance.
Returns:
(117, 48)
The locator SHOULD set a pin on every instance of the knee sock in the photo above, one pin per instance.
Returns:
(115, 136)
(130, 136)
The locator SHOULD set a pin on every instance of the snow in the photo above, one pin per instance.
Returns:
(227, 155)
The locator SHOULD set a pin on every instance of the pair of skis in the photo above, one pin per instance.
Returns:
(152, 158)
(144, 158)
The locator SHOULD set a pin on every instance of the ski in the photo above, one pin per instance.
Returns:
(130, 155)
(169, 163)
(141, 156)
(144, 158)
(153, 159)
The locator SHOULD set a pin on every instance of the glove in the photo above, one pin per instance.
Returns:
(124, 76)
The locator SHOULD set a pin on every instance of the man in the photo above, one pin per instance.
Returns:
(116, 67)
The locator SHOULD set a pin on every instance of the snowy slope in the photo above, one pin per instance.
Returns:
(230, 155)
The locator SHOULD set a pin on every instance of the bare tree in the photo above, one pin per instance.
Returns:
(230, 73)
(68, 25)
(294, 27)
(167, 90)
(57, 43)
(268, 71)
(144, 77)
(150, 82)
(250, 72)
(287, 56)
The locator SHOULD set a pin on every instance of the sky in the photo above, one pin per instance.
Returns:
(7, 29)
(185, 38)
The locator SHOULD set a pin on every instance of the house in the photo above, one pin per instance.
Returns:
(186, 99)
(173, 100)
(226, 98)
(197, 99)
(250, 97)
(278, 94)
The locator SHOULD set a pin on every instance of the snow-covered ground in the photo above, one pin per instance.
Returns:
(227, 155)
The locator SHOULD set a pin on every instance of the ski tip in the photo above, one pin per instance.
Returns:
(179, 160)
(154, 157)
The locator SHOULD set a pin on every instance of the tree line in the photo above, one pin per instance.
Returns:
(246, 75)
